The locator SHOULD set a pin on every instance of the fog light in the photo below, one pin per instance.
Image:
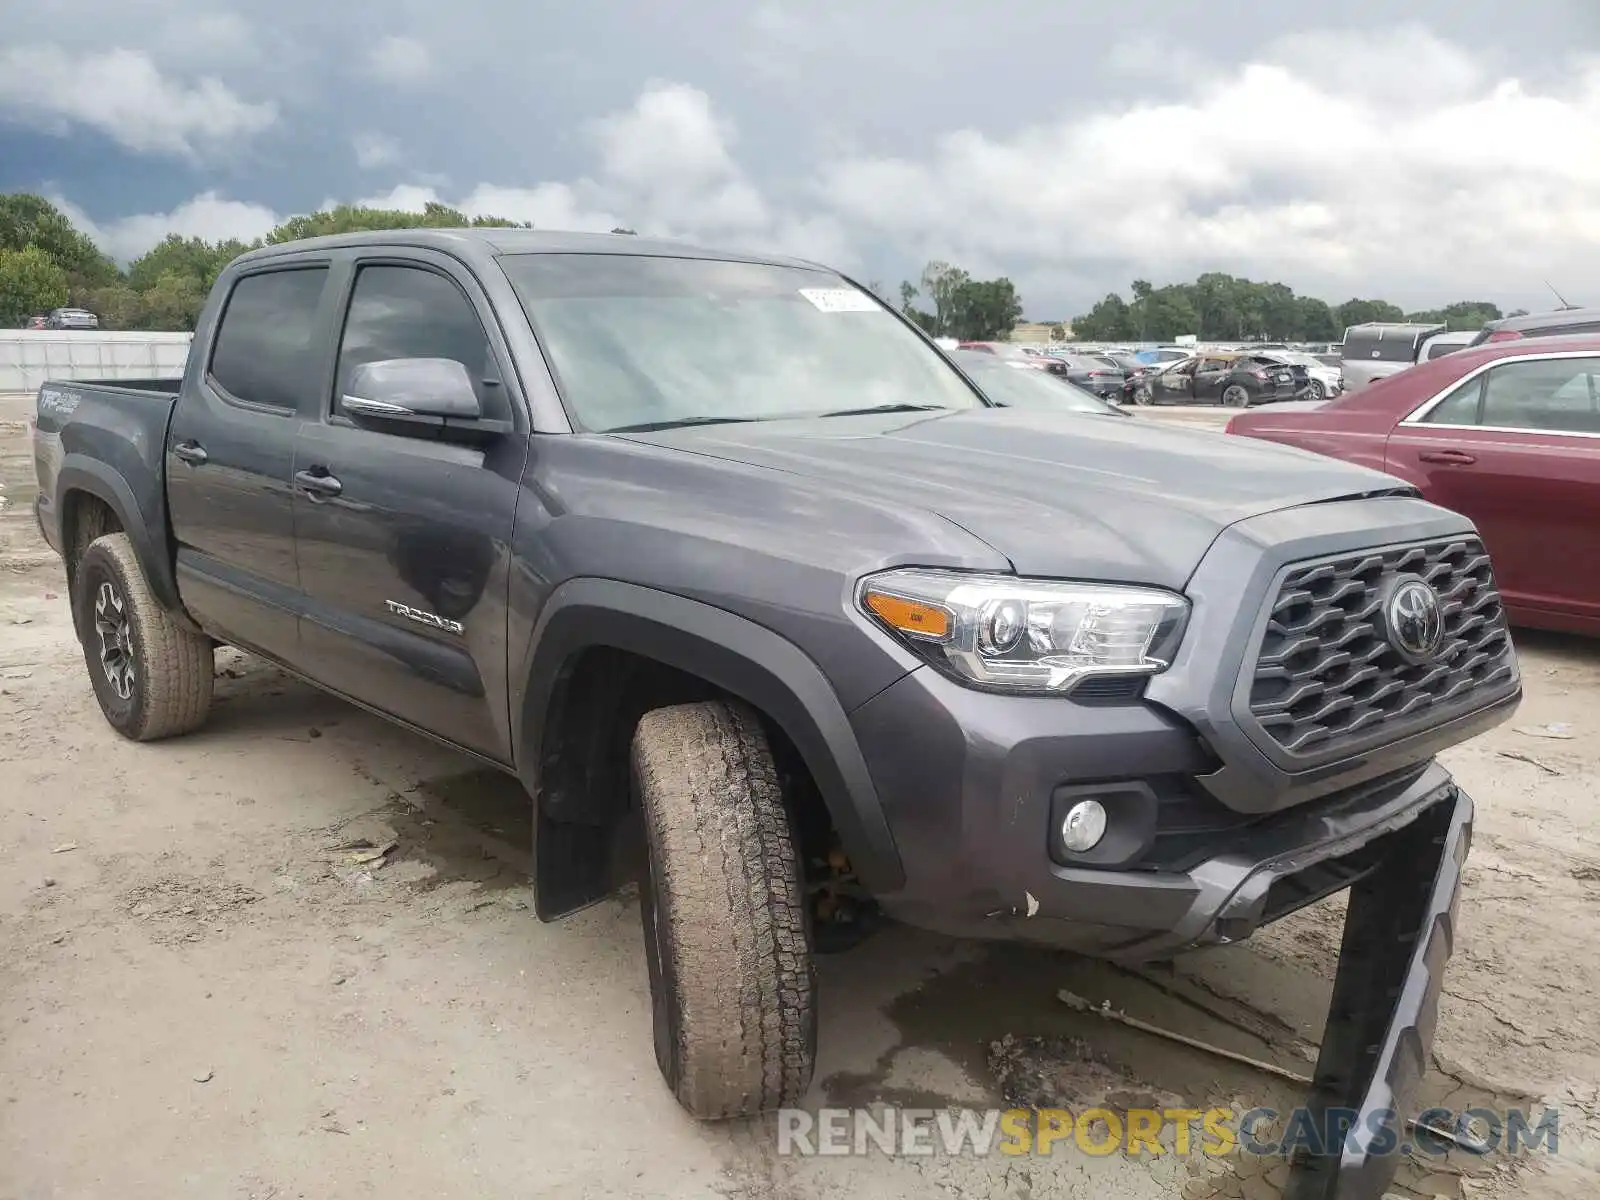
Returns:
(1083, 826)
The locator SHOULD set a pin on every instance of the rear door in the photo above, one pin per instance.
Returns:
(230, 454)
(1516, 447)
(403, 539)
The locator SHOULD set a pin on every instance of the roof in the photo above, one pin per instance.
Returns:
(1395, 327)
(1547, 320)
(489, 242)
(1582, 343)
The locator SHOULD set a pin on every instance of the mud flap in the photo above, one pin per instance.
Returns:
(1398, 936)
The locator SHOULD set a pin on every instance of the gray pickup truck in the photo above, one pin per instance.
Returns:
(722, 541)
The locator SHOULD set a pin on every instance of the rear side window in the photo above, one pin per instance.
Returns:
(1558, 395)
(262, 352)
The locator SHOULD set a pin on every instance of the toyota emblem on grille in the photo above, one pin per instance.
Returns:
(1414, 619)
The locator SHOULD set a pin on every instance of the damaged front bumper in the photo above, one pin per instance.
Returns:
(1398, 935)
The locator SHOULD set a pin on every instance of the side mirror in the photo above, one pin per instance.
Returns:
(412, 387)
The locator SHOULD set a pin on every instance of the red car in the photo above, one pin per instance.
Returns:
(1507, 433)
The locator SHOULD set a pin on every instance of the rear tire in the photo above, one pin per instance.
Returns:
(1234, 396)
(723, 904)
(1143, 397)
(152, 677)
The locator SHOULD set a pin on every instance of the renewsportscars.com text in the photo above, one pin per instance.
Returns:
(1211, 1132)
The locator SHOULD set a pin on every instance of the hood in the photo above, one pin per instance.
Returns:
(1060, 495)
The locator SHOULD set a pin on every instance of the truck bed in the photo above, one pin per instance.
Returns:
(107, 438)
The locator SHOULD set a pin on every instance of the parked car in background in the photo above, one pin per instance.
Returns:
(1322, 380)
(1094, 373)
(1005, 385)
(1441, 344)
(37, 322)
(1013, 353)
(72, 318)
(1229, 378)
(1507, 433)
(1380, 348)
(1563, 322)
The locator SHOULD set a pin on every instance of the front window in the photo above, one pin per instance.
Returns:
(637, 341)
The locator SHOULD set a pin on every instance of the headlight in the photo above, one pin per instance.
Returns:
(1027, 635)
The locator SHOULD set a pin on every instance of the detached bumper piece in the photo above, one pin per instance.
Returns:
(1398, 936)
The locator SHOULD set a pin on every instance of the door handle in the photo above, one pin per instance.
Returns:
(192, 453)
(318, 483)
(1459, 458)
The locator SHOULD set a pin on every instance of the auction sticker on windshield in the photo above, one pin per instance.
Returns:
(840, 299)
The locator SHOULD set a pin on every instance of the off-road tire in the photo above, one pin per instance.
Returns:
(172, 673)
(733, 993)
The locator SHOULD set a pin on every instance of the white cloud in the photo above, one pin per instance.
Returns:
(375, 150)
(123, 95)
(1400, 166)
(208, 216)
(400, 60)
(1447, 184)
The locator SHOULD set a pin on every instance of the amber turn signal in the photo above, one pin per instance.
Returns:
(911, 617)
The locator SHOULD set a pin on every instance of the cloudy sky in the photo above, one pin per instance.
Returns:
(1450, 154)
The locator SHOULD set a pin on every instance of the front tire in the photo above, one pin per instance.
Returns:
(1317, 392)
(152, 677)
(732, 985)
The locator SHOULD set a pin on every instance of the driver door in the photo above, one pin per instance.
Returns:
(1175, 385)
(403, 534)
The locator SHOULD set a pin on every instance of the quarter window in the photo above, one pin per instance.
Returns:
(1460, 407)
(408, 312)
(262, 352)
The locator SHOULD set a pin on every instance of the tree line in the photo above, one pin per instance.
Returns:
(948, 302)
(1218, 307)
(46, 263)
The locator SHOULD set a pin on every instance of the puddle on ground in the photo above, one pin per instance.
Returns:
(997, 1018)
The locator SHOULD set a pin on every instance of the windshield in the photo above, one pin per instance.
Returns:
(637, 340)
(1021, 387)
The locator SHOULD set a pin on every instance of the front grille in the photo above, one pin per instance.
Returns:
(1327, 675)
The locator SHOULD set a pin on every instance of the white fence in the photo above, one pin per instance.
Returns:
(28, 357)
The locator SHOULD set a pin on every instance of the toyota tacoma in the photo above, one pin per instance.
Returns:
(719, 548)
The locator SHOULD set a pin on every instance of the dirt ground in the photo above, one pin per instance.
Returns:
(212, 985)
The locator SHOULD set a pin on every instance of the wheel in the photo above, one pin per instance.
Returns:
(152, 677)
(1234, 396)
(1142, 396)
(1317, 391)
(732, 987)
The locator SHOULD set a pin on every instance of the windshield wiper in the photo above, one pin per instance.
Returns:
(885, 408)
(678, 423)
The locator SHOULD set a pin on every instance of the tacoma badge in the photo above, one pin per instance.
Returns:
(425, 618)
